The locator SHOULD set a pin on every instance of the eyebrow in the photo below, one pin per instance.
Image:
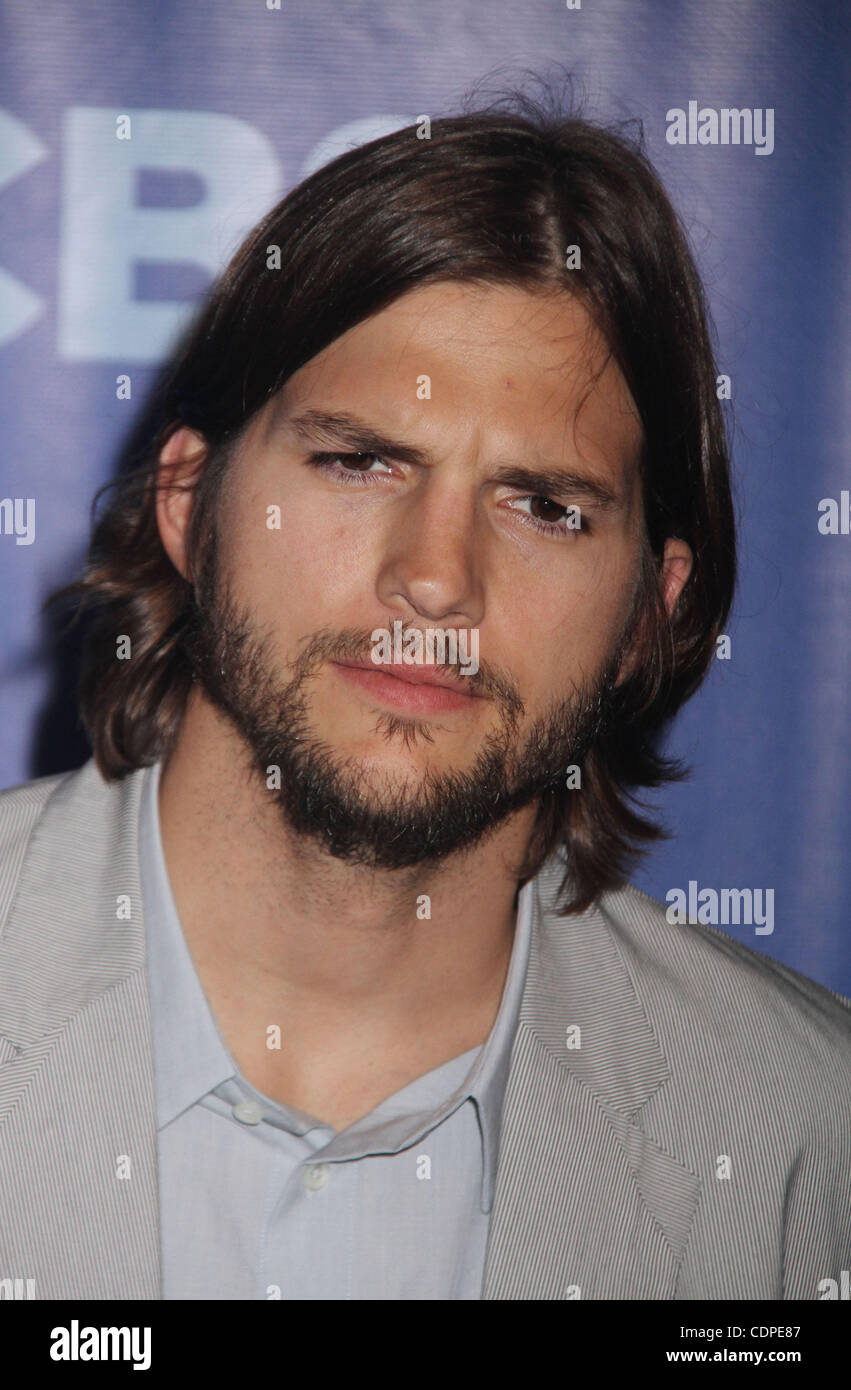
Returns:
(332, 428)
(559, 482)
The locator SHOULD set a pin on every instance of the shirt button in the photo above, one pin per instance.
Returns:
(248, 1112)
(315, 1176)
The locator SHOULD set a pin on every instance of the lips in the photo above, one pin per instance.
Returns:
(410, 689)
(414, 675)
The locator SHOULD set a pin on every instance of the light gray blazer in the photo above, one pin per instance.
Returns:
(698, 1058)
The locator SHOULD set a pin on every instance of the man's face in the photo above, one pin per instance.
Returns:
(425, 465)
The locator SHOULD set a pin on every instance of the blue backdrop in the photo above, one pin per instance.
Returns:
(104, 254)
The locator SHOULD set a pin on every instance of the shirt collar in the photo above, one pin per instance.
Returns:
(191, 1057)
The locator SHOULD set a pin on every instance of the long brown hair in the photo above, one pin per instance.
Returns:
(495, 196)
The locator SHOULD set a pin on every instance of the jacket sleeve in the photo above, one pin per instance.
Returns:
(817, 1214)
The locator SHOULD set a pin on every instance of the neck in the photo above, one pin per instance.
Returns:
(345, 955)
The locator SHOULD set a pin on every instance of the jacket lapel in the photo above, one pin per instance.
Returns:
(78, 1131)
(587, 1205)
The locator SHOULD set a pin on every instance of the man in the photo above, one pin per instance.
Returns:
(322, 979)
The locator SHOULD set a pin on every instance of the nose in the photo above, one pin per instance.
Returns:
(432, 562)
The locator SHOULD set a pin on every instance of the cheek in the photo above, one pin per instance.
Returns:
(294, 555)
(562, 621)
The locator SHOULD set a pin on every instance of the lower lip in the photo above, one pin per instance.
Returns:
(402, 694)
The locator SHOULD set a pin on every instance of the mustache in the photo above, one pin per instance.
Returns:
(214, 609)
(351, 644)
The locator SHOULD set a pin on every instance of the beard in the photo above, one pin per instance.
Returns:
(334, 801)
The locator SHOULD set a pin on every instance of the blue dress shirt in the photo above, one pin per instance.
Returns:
(259, 1200)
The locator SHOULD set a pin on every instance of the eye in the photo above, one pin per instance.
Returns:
(350, 468)
(551, 518)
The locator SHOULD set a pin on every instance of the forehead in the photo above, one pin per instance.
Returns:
(526, 368)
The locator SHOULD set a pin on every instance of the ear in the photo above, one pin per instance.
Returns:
(177, 475)
(674, 570)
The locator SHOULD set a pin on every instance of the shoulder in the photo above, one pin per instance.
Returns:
(62, 814)
(22, 804)
(21, 808)
(697, 981)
